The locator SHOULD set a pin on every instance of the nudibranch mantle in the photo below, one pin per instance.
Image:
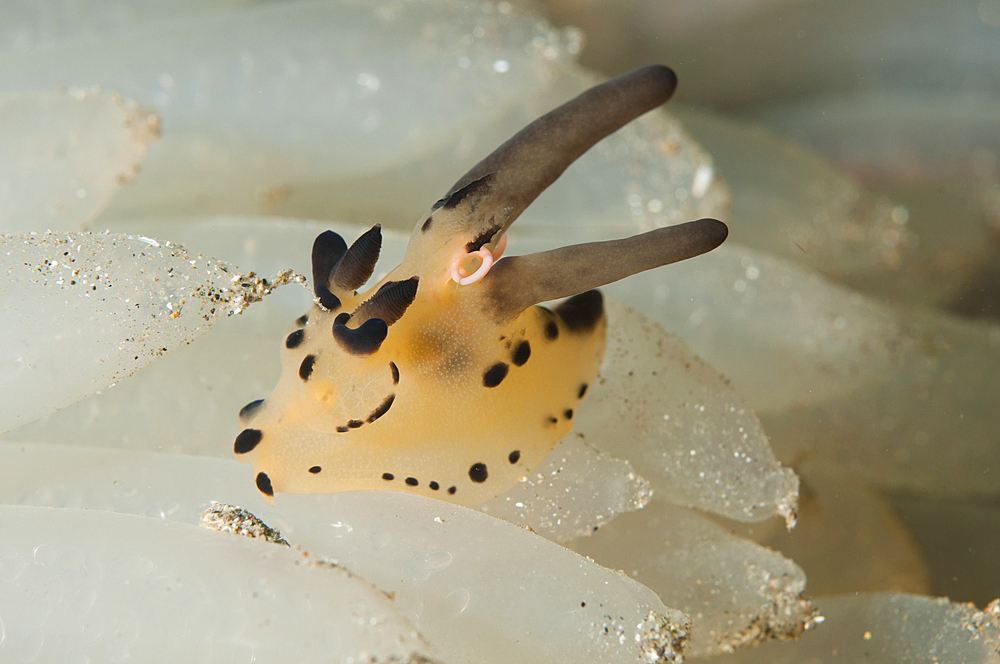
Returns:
(447, 378)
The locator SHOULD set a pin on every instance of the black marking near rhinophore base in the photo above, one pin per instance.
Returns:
(480, 240)
(475, 189)
(454, 315)
(363, 340)
(327, 300)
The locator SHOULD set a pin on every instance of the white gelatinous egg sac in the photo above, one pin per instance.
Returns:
(832, 366)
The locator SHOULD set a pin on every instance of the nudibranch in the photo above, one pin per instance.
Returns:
(446, 378)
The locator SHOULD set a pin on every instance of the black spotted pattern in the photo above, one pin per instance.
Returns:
(294, 340)
(514, 456)
(364, 340)
(582, 312)
(306, 368)
(452, 490)
(583, 391)
(551, 331)
(327, 300)
(412, 481)
(315, 470)
(568, 413)
(395, 373)
(495, 374)
(477, 243)
(302, 320)
(434, 486)
(478, 473)
(248, 411)
(264, 484)
(388, 477)
(426, 225)
(382, 409)
(521, 354)
(247, 440)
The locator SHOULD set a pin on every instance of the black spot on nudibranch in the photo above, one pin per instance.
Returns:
(477, 188)
(247, 412)
(582, 312)
(354, 424)
(327, 300)
(521, 353)
(342, 429)
(495, 374)
(382, 409)
(247, 440)
(477, 243)
(395, 373)
(551, 420)
(551, 331)
(478, 473)
(426, 225)
(315, 470)
(294, 339)
(568, 413)
(364, 340)
(452, 490)
(514, 456)
(583, 390)
(302, 320)
(264, 484)
(342, 318)
(434, 486)
(412, 481)
(327, 251)
(388, 477)
(306, 368)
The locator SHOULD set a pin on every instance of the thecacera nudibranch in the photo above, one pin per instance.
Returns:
(446, 378)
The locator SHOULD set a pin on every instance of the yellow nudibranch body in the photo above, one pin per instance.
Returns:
(447, 378)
